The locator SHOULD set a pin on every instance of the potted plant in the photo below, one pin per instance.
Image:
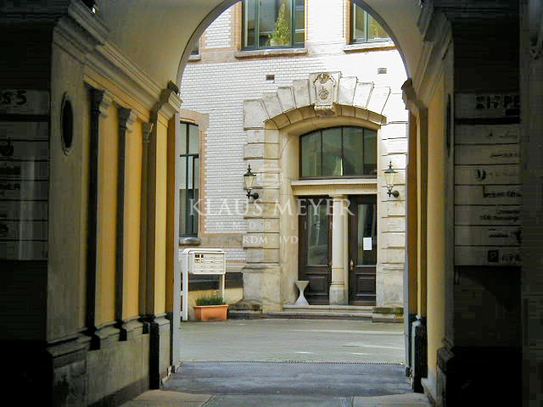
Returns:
(210, 308)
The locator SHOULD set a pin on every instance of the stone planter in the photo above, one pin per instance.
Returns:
(211, 312)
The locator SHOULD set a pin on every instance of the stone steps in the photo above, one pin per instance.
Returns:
(367, 313)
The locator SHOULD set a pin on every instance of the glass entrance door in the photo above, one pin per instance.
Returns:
(314, 254)
(362, 249)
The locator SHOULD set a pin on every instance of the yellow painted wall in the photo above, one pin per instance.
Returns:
(172, 237)
(422, 212)
(107, 207)
(160, 224)
(132, 221)
(436, 224)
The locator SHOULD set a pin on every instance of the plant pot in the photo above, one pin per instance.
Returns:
(211, 312)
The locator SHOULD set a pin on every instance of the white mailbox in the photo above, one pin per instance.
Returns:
(201, 262)
(207, 262)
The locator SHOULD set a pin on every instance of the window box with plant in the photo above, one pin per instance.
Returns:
(211, 308)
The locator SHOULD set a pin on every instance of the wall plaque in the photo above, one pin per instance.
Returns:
(487, 215)
(487, 105)
(24, 101)
(24, 175)
(487, 180)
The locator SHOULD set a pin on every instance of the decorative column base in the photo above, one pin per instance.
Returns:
(338, 294)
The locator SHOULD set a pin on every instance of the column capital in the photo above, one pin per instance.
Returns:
(338, 197)
(101, 100)
(147, 130)
(127, 118)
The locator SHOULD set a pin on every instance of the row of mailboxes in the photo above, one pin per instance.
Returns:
(200, 262)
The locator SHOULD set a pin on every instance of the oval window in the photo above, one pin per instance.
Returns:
(67, 125)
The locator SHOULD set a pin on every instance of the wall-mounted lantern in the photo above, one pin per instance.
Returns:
(390, 174)
(249, 180)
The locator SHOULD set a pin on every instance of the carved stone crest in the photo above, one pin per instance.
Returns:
(325, 90)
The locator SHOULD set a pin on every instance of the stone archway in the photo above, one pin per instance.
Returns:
(272, 124)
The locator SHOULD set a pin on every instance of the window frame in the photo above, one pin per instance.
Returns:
(330, 177)
(194, 229)
(256, 16)
(352, 38)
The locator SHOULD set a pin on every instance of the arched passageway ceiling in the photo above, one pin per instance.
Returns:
(155, 34)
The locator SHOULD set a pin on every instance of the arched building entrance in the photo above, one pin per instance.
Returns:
(96, 309)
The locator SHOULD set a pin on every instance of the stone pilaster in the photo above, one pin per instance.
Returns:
(100, 102)
(338, 287)
(127, 117)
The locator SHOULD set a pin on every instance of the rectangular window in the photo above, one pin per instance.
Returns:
(364, 28)
(189, 171)
(273, 23)
(196, 48)
(339, 152)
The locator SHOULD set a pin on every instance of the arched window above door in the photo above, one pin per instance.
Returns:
(339, 152)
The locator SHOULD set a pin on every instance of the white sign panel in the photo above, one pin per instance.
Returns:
(487, 195)
(487, 215)
(487, 134)
(24, 101)
(487, 105)
(24, 180)
(491, 154)
(487, 256)
(487, 174)
(367, 243)
(487, 236)
(487, 180)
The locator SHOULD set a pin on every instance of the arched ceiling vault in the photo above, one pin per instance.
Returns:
(157, 35)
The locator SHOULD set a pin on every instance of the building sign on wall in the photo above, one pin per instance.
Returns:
(24, 175)
(487, 105)
(488, 192)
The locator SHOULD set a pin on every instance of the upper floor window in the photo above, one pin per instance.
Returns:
(273, 23)
(196, 48)
(189, 180)
(364, 28)
(339, 152)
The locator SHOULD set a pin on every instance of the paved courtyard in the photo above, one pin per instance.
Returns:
(288, 363)
(293, 340)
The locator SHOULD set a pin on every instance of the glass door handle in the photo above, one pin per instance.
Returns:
(351, 265)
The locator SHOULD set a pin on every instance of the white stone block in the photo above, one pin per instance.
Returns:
(254, 114)
(253, 150)
(399, 161)
(394, 146)
(255, 136)
(396, 240)
(378, 99)
(286, 97)
(347, 87)
(362, 94)
(394, 130)
(272, 104)
(301, 92)
(394, 224)
(395, 208)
